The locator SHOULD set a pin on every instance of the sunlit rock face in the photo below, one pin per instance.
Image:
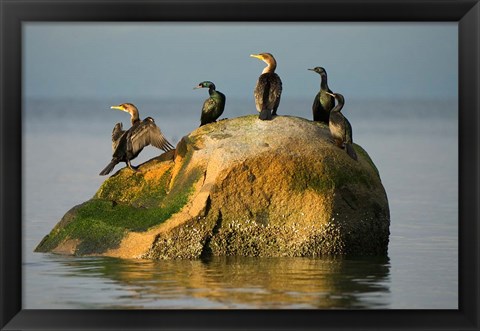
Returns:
(236, 187)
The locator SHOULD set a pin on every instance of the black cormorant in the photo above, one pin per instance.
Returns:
(340, 127)
(126, 145)
(323, 102)
(269, 88)
(212, 107)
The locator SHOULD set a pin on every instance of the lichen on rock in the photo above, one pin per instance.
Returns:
(236, 187)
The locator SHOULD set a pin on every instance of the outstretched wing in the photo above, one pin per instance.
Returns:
(158, 140)
(116, 134)
(147, 133)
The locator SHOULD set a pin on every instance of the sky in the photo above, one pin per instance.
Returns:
(166, 60)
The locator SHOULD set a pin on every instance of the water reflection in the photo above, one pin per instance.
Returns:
(237, 282)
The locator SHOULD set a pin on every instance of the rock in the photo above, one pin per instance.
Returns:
(236, 187)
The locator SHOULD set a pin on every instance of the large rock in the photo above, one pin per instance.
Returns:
(236, 187)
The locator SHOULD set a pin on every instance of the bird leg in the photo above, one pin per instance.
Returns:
(130, 166)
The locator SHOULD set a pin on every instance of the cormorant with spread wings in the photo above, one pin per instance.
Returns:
(126, 145)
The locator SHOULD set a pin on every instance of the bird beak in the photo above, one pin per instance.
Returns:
(197, 87)
(117, 107)
(333, 95)
(312, 69)
(256, 56)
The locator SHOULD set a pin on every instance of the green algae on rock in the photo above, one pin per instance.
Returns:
(126, 202)
(236, 187)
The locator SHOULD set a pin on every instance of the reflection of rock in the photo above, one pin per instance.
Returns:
(239, 282)
(236, 187)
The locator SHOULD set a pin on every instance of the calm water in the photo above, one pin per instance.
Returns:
(413, 143)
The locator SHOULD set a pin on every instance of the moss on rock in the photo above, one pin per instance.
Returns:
(126, 202)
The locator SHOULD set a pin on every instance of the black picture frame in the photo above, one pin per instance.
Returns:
(14, 12)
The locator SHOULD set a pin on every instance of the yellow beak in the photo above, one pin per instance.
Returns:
(117, 107)
(256, 56)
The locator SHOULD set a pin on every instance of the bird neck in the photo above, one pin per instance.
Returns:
(324, 81)
(212, 91)
(338, 107)
(134, 121)
(134, 118)
(271, 66)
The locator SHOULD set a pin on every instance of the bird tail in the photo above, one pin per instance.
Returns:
(265, 115)
(108, 168)
(350, 151)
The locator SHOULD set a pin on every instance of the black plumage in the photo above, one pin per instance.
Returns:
(213, 106)
(128, 144)
(268, 90)
(340, 127)
(323, 102)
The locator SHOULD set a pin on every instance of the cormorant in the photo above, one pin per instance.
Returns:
(340, 127)
(212, 107)
(323, 102)
(126, 145)
(269, 88)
